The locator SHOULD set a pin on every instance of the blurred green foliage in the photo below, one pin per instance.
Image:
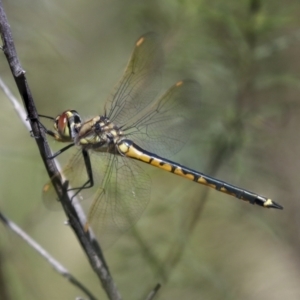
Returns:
(198, 243)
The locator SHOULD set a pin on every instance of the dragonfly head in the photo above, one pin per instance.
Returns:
(67, 125)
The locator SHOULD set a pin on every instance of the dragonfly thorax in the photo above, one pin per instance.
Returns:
(97, 133)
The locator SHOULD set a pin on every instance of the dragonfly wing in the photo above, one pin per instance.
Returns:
(118, 198)
(119, 204)
(139, 84)
(74, 172)
(164, 127)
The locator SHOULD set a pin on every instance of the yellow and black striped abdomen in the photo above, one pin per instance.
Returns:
(130, 149)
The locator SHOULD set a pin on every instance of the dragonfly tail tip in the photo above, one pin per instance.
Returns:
(271, 204)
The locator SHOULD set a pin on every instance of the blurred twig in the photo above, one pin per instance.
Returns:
(4, 293)
(150, 257)
(52, 261)
(90, 246)
(153, 293)
(223, 148)
(18, 108)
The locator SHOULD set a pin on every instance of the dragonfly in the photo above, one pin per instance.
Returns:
(136, 127)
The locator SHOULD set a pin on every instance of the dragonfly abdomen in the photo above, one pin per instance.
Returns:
(130, 149)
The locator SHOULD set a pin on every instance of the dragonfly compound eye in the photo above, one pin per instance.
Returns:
(74, 115)
(67, 125)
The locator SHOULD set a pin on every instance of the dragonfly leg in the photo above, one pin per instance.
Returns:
(60, 151)
(47, 131)
(55, 136)
(90, 182)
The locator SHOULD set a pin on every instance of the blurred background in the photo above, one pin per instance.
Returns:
(200, 244)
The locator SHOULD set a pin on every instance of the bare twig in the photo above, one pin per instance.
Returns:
(90, 246)
(222, 148)
(153, 293)
(52, 261)
(4, 292)
(14, 101)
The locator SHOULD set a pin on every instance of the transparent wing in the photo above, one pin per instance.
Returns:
(164, 126)
(125, 194)
(139, 84)
(118, 198)
(75, 169)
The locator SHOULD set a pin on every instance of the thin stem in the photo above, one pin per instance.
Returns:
(88, 243)
(153, 293)
(51, 260)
